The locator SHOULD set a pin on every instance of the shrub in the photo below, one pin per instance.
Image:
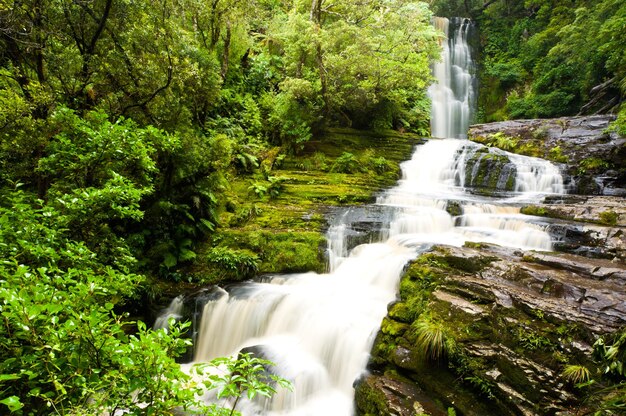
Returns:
(592, 164)
(431, 338)
(346, 163)
(576, 374)
(233, 263)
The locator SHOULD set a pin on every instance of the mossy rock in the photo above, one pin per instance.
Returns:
(491, 171)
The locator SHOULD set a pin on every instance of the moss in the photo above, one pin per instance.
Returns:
(277, 252)
(465, 264)
(392, 327)
(286, 230)
(483, 170)
(534, 210)
(401, 312)
(454, 208)
(608, 217)
(548, 212)
(370, 401)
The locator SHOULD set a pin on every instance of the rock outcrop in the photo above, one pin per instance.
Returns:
(592, 155)
(507, 322)
(591, 226)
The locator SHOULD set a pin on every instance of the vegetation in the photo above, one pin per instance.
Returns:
(547, 58)
(131, 134)
(65, 349)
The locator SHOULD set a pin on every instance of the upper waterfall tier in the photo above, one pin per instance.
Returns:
(453, 96)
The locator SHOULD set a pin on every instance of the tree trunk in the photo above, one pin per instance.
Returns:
(226, 53)
(316, 18)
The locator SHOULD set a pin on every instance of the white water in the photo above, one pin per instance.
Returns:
(174, 310)
(453, 95)
(319, 328)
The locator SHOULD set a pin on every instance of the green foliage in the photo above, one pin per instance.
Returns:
(431, 338)
(273, 188)
(576, 374)
(346, 163)
(592, 164)
(259, 189)
(556, 154)
(502, 141)
(236, 264)
(619, 125)
(532, 341)
(244, 375)
(62, 347)
(544, 58)
(377, 164)
(612, 353)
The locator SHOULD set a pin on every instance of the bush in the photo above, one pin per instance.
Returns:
(233, 263)
(346, 163)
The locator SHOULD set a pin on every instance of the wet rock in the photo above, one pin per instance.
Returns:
(593, 157)
(489, 170)
(383, 395)
(509, 325)
(595, 226)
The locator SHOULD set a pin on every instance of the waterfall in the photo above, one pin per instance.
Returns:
(453, 95)
(319, 328)
(174, 310)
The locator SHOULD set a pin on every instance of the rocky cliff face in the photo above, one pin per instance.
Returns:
(593, 157)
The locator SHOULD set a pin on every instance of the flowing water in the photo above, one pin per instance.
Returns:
(453, 95)
(319, 328)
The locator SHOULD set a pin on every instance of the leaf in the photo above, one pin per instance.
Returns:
(170, 260)
(13, 403)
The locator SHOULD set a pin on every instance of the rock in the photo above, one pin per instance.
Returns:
(510, 320)
(384, 396)
(489, 170)
(594, 158)
(595, 226)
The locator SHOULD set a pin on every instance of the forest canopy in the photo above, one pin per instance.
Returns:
(548, 58)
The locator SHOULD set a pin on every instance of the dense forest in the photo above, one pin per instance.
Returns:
(548, 58)
(122, 124)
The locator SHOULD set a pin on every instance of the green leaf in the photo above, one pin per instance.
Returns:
(13, 403)
(170, 260)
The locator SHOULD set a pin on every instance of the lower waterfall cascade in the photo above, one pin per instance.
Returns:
(319, 328)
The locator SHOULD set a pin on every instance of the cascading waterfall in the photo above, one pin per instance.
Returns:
(319, 328)
(174, 310)
(453, 95)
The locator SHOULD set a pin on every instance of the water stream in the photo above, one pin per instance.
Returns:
(319, 328)
(453, 95)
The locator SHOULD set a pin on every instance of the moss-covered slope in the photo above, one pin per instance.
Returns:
(273, 220)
